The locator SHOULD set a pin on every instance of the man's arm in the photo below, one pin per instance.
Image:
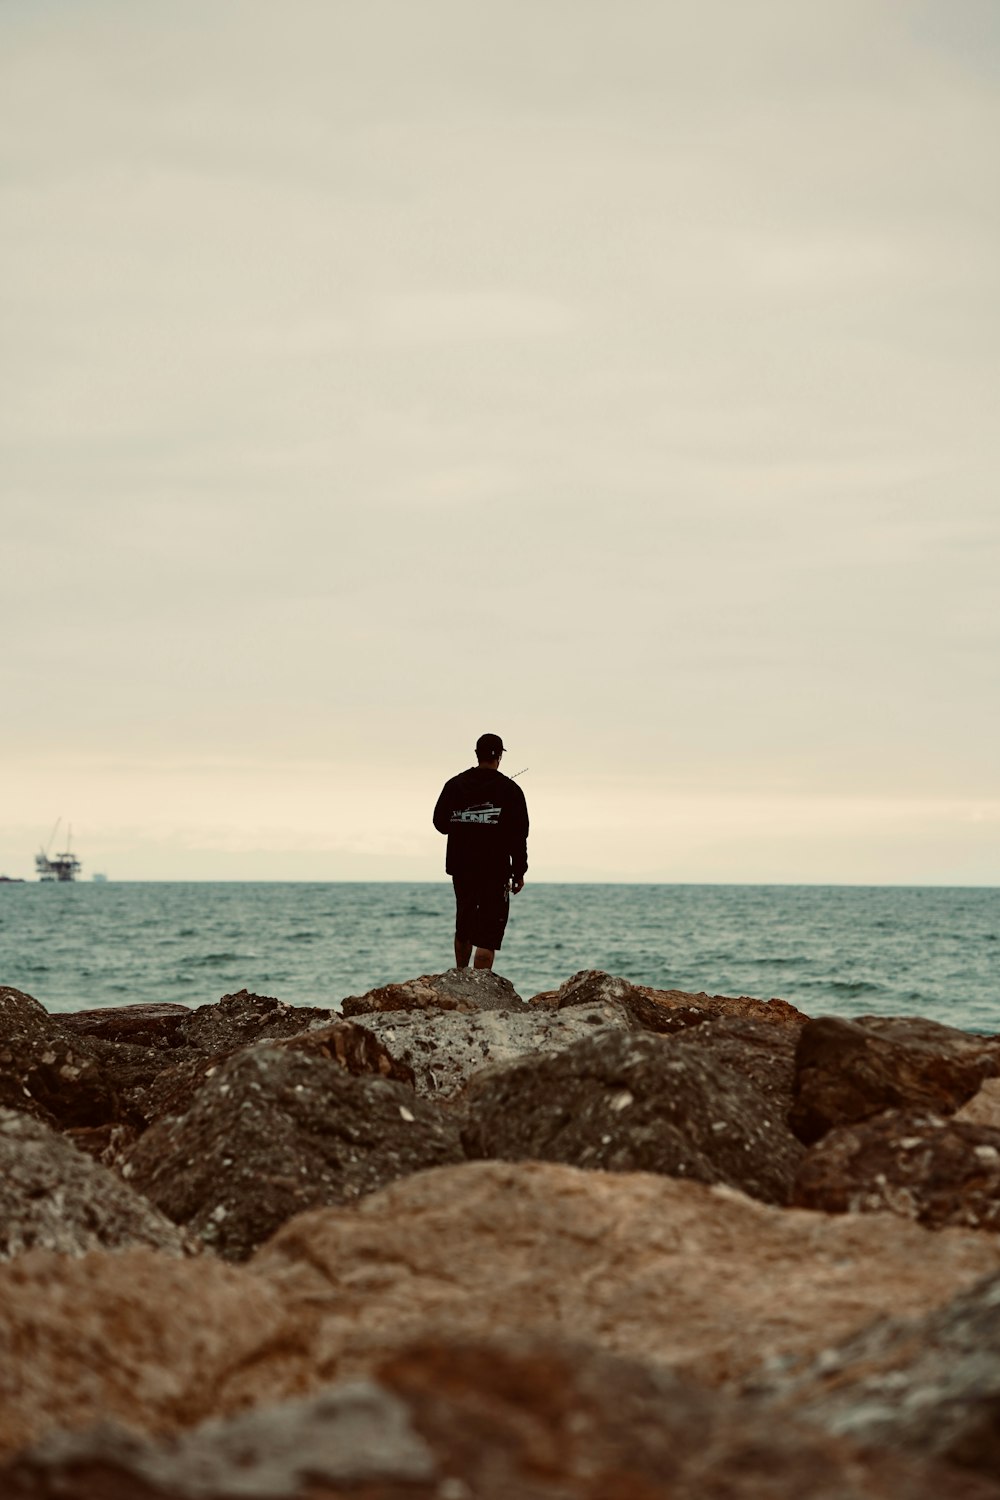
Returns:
(442, 809)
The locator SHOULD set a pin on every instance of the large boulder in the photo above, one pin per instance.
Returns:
(848, 1071)
(271, 1132)
(53, 1197)
(524, 1417)
(47, 1073)
(703, 1279)
(355, 1048)
(153, 1024)
(662, 1010)
(455, 989)
(910, 1162)
(662, 1271)
(928, 1386)
(444, 1050)
(628, 1102)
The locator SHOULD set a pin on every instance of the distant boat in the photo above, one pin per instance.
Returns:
(64, 866)
(97, 875)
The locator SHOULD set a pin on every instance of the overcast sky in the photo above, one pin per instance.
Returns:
(622, 378)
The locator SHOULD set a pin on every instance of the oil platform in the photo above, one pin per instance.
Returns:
(64, 866)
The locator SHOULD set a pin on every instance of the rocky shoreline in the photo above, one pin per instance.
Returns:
(443, 1242)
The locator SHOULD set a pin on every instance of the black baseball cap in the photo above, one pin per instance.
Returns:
(489, 746)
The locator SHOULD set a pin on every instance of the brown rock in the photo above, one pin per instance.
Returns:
(147, 1025)
(356, 1048)
(52, 1197)
(445, 1049)
(46, 1073)
(703, 1279)
(663, 1005)
(456, 989)
(759, 1050)
(928, 1386)
(908, 1162)
(272, 1132)
(628, 1102)
(983, 1108)
(527, 1418)
(663, 1010)
(848, 1071)
(21, 1013)
(102, 1143)
(665, 1272)
(138, 1337)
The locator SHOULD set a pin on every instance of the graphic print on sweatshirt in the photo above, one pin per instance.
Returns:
(480, 812)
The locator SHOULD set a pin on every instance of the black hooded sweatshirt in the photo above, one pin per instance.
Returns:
(485, 817)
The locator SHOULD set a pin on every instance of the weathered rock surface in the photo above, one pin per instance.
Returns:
(519, 1419)
(909, 1162)
(355, 1048)
(53, 1197)
(455, 989)
(663, 1271)
(328, 1444)
(662, 1010)
(929, 1386)
(243, 1019)
(701, 1278)
(138, 1337)
(272, 1132)
(848, 1071)
(760, 1051)
(628, 1102)
(46, 1073)
(983, 1108)
(151, 1025)
(445, 1050)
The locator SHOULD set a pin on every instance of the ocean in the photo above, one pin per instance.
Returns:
(831, 950)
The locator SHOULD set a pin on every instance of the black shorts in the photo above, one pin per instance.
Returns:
(481, 907)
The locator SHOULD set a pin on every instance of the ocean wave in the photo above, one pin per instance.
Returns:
(800, 960)
(213, 960)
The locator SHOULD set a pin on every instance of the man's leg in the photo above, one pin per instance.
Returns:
(484, 958)
(463, 952)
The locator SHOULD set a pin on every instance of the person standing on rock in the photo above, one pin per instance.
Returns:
(485, 817)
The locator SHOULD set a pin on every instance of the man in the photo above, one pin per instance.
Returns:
(486, 819)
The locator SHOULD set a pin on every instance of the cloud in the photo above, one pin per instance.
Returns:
(631, 372)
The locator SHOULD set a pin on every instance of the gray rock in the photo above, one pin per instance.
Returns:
(446, 1049)
(518, 1418)
(273, 1132)
(455, 989)
(53, 1197)
(354, 1434)
(929, 1387)
(629, 1102)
